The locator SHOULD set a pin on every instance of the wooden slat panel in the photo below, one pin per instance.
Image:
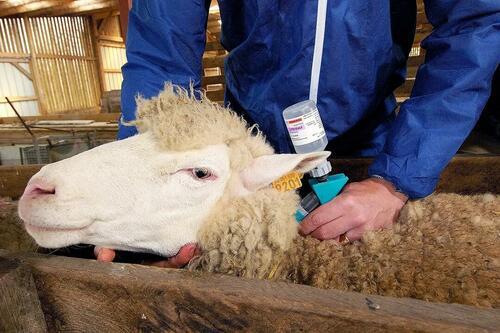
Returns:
(154, 299)
(66, 66)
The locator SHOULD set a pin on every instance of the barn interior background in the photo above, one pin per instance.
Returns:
(60, 68)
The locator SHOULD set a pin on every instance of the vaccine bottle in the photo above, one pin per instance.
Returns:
(307, 133)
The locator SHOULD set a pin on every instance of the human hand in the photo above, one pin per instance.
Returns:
(185, 254)
(371, 204)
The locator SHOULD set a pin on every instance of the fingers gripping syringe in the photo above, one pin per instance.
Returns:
(308, 135)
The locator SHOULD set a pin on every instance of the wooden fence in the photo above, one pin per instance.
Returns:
(40, 293)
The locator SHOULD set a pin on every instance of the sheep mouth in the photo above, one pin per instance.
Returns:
(36, 228)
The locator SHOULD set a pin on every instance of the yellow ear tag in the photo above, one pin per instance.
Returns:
(288, 182)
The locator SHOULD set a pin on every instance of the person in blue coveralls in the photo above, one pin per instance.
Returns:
(364, 52)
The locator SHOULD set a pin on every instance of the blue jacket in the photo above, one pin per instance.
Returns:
(365, 50)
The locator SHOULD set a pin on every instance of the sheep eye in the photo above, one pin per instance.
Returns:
(201, 173)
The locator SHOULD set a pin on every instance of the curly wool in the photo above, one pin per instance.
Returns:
(444, 248)
(192, 123)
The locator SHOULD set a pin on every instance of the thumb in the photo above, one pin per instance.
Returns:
(104, 254)
(181, 259)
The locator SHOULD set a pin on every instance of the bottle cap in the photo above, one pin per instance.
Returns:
(321, 170)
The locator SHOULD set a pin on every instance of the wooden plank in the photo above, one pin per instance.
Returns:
(216, 96)
(217, 61)
(214, 46)
(33, 67)
(97, 50)
(13, 179)
(64, 56)
(206, 80)
(20, 307)
(14, 99)
(22, 70)
(405, 89)
(112, 70)
(102, 117)
(84, 295)
(416, 61)
(14, 57)
(59, 7)
(124, 6)
(113, 39)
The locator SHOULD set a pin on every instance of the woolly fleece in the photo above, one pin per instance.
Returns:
(444, 248)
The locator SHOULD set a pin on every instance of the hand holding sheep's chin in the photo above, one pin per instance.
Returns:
(367, 205)
(181, 259)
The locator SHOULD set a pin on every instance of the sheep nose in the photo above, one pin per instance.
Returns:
(39, 189)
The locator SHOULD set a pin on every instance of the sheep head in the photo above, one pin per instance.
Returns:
(154, 191)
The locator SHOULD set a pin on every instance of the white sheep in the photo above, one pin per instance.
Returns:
(195, 173)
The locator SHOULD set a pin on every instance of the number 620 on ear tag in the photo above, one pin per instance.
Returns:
(288, 182)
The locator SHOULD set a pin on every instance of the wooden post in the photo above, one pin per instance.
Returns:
(125, 6)
(97, 50)
(33, 68)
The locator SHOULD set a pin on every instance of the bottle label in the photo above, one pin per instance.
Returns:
(306, 128)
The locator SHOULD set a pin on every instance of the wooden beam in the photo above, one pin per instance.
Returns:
(30, 6)
(39, 93)
(97, 50)
(206, 80)
(15, 99)
(14, 57)
(98, 117)
(114, 39)
(76, 7)
(405, 89)
(157, 299)
(20, 307)
(13, 179)
(62, 56)
(216, 96)
(113, 70)
(217, 61)
(214, 46)
(124, 7)
(22, 70)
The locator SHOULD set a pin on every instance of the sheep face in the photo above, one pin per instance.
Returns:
(127, 195)
(134, 195)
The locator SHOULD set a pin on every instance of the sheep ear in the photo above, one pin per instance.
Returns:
(268, 168)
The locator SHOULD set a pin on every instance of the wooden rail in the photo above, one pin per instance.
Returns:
(465, 174)
(87, 296)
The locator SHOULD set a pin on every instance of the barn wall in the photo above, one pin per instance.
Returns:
(15, 72)
(48, 66)
(112, 52)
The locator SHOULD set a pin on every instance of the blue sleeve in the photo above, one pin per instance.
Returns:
(165, 42)
(451, 89)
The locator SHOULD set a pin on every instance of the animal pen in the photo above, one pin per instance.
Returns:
(60, 68)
